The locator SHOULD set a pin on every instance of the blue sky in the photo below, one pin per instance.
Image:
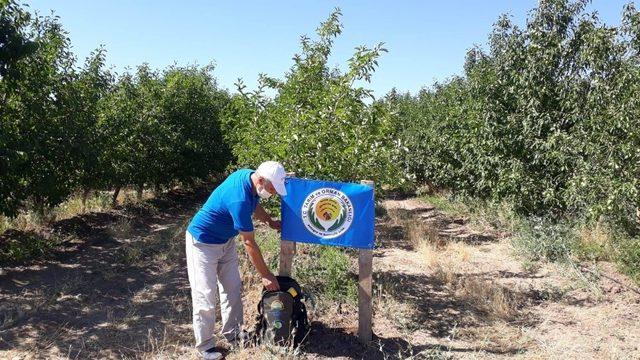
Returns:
(427, 40)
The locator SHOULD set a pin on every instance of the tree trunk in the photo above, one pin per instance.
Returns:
(40, 211)
(114, 200)
(157, 189)
(139, 191)
(85, 196)
(43, 211)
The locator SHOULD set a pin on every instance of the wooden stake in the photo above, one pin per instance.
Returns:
(287, 251)
(365, 305)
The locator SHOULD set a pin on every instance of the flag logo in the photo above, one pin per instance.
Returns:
(327, 213)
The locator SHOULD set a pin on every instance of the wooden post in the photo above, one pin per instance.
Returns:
(365, 305)
(287, 251)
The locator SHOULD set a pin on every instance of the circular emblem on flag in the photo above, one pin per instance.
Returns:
(327, 213)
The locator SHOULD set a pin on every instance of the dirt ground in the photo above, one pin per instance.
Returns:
(478, 300)
(117, 288)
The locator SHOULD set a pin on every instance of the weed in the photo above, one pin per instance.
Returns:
(326, 271)
(551, 292)
(122, 228)
(4, 224)
(388, 303)
(131, 254)
(269, 242)
(447, 204)
(99, 201)
(565, 240)
(629, 257)
(27, 246)
(594, 242)
(24, 221)
(530, 266)
(545, 239)
(10, 314)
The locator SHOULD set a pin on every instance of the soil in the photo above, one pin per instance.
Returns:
(468, 296)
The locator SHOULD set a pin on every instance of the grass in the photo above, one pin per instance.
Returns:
(629, 257)
(479, 214)
(490, 313)
(487, 302)
(163, 246)
(327, 273)
(73, 206)
(24, 221)
(541, 239)
(323, 271)
(494, 301)
(29, 220)
(98, 201)
(567, 240)
(29, 245)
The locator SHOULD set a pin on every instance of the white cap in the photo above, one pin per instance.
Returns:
(274, 172)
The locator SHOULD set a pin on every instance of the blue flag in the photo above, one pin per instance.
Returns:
(328, 213)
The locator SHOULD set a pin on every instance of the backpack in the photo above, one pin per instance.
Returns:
(282, 315)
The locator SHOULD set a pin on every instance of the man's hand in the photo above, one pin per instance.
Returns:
(270, 282)
(275, 225)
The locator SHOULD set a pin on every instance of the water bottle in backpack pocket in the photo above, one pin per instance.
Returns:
(282, 315)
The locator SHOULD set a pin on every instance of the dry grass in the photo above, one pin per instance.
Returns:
(499, 336)
(492, 309)
(488, 316)
(10, 314)
(446, 258)
(388, 305)
(594, 236)
(97, 201)
(164, 246)
(595, 242)
(168, 345)
(494, 300)
(488, 297)
(266, 352)
(24, 221)
(73, 206)
(450, 256)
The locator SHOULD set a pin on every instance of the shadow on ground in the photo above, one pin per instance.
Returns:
(340, 342)
(102, 292)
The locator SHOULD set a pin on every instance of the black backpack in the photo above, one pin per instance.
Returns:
(282, 315)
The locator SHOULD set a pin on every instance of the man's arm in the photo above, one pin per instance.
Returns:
(268, 279)
(262, 215)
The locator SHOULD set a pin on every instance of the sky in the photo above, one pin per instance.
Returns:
(427, 40)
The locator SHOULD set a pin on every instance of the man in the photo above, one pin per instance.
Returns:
(212, 259)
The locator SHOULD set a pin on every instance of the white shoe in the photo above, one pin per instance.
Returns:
(213, 355)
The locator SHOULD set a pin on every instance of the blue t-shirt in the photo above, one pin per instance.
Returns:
(227, 211)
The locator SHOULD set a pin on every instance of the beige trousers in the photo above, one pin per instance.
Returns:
(213, 268)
